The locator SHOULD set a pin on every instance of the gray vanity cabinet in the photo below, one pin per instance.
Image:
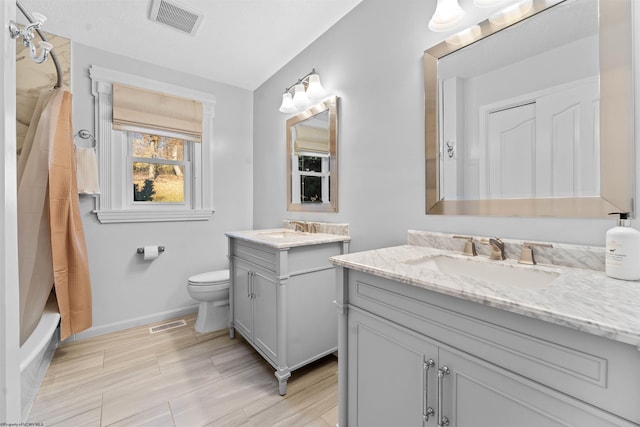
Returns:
(255, 298)
(419, 358)
(282, 302)
(389, 378)
(479, 394)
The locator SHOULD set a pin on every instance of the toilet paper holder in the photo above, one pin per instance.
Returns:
(141, 250)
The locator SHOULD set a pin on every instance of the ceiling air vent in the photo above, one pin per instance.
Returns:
(175, 15)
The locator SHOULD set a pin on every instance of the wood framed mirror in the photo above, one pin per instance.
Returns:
(312, 158)
(533, 115)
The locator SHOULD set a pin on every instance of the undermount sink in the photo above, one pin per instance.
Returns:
(282, 234)
(494, 272)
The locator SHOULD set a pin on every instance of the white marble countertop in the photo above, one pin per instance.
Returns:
(582, 299)
(282, 238)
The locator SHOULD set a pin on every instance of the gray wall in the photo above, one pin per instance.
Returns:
(127, 290)
(372, 59)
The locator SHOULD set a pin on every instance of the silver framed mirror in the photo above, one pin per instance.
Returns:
(312, 158)
(545, 128)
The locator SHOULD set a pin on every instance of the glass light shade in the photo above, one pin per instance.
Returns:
(465, 37)
(287, 104)
(487, 3)
(448, 13)
(511, 14)
(300, 98)
(315, 90)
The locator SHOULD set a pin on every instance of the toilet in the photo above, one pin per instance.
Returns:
(211, 289)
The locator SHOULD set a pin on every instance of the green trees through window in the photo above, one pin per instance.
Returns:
(158, 164)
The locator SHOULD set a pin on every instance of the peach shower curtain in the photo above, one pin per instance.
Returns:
(50, 224)
(34, 236)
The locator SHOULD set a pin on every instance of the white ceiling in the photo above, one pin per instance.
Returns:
(240, 42)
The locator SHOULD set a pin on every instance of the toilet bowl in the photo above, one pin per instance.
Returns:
(211, 289)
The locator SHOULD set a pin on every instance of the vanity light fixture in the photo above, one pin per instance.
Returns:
(300, 97)
(305, 91)
(448, 13)
(27, 37)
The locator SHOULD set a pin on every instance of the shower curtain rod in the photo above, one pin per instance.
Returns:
(54, 57)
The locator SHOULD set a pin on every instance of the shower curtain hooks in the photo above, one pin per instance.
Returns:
(44, 38)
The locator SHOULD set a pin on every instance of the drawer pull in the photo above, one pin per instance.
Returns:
(442, 420)
(250, 293)
(427, 411)
(249, 273)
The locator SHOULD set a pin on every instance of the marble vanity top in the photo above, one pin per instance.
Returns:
(579, 298)
(281, 238)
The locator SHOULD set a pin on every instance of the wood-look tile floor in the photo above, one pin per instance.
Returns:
(179, 378)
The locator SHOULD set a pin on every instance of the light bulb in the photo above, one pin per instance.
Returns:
(287, 104)
(448, 13)
(315, 90)
(300, 98)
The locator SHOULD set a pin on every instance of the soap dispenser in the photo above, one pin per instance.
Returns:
(622, 258)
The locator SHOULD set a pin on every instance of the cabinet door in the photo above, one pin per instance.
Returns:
(265, 313)
(390, 380)
(242, 301)
(478, 394)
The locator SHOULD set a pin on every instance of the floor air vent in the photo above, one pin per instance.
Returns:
(175, 15)
(166, 326)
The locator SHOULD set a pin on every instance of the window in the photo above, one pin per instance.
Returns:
(150, 174)
(159, 167)
(312, 177)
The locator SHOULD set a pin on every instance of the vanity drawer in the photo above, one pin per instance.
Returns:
(304, 259)
(262, 256)
(599, 371)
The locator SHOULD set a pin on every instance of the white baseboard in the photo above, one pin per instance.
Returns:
(132, 323)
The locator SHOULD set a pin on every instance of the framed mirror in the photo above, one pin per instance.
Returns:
(530, 113)
(312, 159)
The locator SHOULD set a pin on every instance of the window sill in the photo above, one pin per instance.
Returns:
(109, 217)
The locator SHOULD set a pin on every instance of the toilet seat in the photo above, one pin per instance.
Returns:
(219, 277)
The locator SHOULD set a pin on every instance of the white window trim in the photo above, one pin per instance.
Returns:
(112, 205)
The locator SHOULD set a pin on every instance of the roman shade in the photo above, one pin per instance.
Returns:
(136, 109)
(311, 140)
